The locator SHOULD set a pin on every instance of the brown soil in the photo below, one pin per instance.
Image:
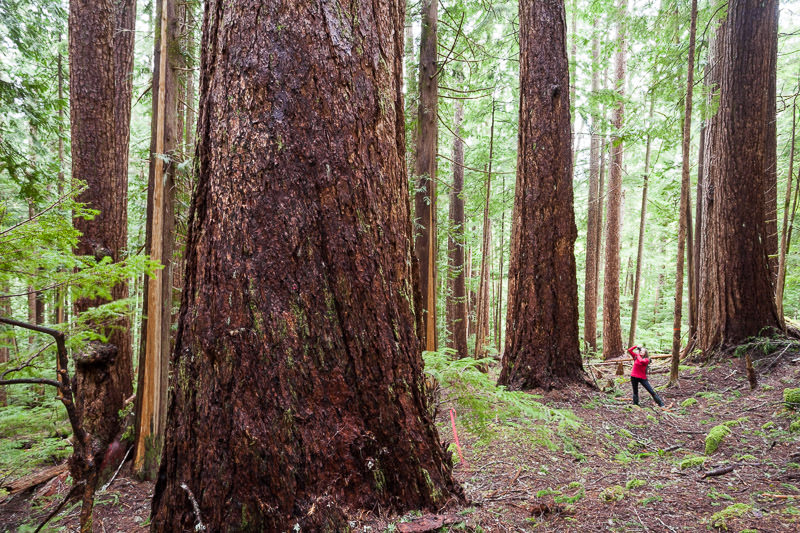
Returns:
(618, 472)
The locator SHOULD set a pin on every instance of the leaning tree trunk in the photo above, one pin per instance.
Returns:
(612, 332)
(457, 293)
(165, 137)
(297, 382)
(542, 346)
(425, 172)
(736, 299)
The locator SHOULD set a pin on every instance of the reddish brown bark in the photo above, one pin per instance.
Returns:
(97, 121)
(736, 298)
(457, 293)
(612, 332)
(297, 374)
(425, 172)
(542, 347)
(482, 328)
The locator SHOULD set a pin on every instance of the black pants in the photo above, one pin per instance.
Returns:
(635, 383)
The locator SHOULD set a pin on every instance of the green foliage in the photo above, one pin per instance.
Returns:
(692, 462)
(688, 402)
(715, 436)
(635, 484)
(485, 404)
(737, 510)
(791, 397)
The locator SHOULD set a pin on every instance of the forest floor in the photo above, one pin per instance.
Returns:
(590, 462)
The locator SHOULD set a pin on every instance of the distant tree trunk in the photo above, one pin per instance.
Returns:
(784, 233)
(498, 321)
(457, 299)
(471, 296)
(640, 249)
(482, 328)
(684, 201)
(612, 334)
(411, 75)
(5, 310)
(296, 344)
(736, 299)
(592, 229)
(98, 36)
(425, 171)
(165, 138)
(542, 344)
(698, 218)
(60, 297)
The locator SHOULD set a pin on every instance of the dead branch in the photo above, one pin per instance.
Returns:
(719, 471)
(58, 508)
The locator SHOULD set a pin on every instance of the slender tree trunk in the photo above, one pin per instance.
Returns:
(501, 271)
(425, 172)
(736, 299)
(297, 346)
(640, 250)
(5, 310)
(542, 344)
(592, 229)
(784, 234)
(60, 317)
(482, 328)
(612, 334)
(457, 299)
(698, 219)
(159, 241)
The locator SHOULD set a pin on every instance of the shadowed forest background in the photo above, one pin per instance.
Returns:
(374, 266)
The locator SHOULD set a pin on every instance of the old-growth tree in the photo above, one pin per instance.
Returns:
(612, 333)
(542, 347)
(736, 299)
(297, 371)
(99, 119)
(425, 172)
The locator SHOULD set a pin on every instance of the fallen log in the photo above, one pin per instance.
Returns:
(37, 478)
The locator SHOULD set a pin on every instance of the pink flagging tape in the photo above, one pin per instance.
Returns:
(455, 436)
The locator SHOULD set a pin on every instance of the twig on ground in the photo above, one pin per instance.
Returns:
(110, 481)
(719, 471)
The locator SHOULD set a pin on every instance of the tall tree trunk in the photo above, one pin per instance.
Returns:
(482, 328)
(736, 299)
(771, 153)
(457, 293)
(296, 344)
(425, 171)
(640, 249)
(592, 229)
(100, 50)
(159, 241)
(612, 334)
(784, 233)
(5, 310)
(60, 316)
(542, 344)
(684, 200)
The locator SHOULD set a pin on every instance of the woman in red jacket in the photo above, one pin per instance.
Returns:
(639, 374)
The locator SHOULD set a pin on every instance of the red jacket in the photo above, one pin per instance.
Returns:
(640, 363)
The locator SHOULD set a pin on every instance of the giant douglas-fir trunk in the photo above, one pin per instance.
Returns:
(736, 298)
(297, 378)
(542, 347)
